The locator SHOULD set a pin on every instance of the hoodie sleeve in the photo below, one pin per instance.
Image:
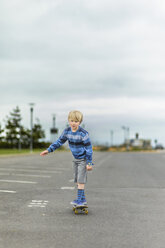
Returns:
(59, 142)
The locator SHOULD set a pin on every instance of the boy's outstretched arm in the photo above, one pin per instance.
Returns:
(61, 140)
(44, 153)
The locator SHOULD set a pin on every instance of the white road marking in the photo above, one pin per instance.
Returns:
(71, 188)
(7, 191)
(14, 181)
(27, 175)
(36, 200)
(38, 203)
(24, 175)
(30, 206)
(71, 180)
(27, 170)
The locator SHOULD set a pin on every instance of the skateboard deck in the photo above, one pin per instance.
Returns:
(80, 209)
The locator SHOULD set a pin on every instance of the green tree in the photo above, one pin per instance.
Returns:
(13, 128)
(38, 134)
(1, 131)
(17, 136)
(24, 140)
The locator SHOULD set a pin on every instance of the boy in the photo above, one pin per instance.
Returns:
(81, 148)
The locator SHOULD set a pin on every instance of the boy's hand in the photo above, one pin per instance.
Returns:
(89, 167)
(44, 153)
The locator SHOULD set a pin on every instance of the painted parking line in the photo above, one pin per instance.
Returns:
(71, 188)
(38, 203)
(7, 191)
(27, 170)
(27, 175)
(24, 175)
(15, 181)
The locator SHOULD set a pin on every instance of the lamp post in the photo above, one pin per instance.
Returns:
(31, 126)
(54, 130)
(111, 133)
(126, 133)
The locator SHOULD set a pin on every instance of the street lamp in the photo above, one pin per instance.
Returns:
(111, 133)
(31, 126)
(126, 133)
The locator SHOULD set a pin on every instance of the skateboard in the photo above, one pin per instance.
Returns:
(80, 209)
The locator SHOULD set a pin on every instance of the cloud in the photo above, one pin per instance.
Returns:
(104, 57)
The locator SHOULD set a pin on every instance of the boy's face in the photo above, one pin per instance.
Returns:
(74, 125)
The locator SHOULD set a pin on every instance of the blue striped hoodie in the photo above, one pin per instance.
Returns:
(79, 143)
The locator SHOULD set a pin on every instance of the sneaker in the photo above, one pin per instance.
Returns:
(80, 203)
(74, 202)
(84, 202)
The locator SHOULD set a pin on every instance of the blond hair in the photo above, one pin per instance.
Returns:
(75, 115)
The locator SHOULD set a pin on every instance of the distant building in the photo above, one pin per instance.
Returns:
(139, 143)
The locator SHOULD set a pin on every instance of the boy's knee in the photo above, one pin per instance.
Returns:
(81, 185)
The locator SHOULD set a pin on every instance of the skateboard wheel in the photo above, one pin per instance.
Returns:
(86, 211)
(76, 211)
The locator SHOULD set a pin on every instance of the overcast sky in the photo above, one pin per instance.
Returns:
(105, 58)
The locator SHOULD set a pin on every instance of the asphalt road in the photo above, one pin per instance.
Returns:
(125, 193)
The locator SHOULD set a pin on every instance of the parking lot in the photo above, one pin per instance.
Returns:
(125, 194)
